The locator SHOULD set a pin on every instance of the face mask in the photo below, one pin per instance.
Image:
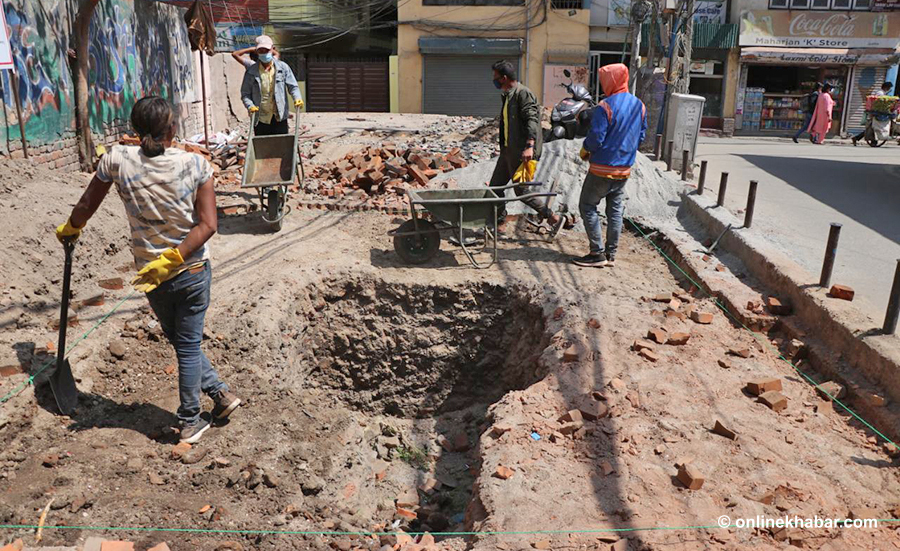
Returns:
(266, 58)
(497, 84)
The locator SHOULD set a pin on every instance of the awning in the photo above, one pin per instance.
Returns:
(805, 56)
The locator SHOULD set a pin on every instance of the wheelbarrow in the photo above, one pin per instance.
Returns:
(417, 240)
(271, 166)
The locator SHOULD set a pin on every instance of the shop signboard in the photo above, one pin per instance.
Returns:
(886, 5)
(710, 12)
(814, 29)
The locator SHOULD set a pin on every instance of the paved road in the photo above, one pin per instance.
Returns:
(803, 188)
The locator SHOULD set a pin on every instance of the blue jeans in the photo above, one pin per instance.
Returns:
(180, 305)
(803, 128)
(593, 191)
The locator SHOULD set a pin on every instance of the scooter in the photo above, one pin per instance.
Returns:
(571, 117)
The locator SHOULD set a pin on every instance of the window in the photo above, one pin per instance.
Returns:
(840, 4)
(865, 5)
(778, 4)
(821, 4)
(799, 4)
(567, 4)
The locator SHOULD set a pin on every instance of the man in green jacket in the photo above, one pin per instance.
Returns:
(520, 140)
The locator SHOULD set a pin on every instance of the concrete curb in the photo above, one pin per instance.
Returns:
(856, 336)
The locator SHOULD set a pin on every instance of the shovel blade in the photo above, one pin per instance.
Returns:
(62, 383)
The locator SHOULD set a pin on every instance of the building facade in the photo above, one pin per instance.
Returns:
(786, 46)
(445, 49)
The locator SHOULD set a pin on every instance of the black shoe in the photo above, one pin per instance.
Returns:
(855, 140)
(795, 139)
(592, 261)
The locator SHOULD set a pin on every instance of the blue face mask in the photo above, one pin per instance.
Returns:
(265, 58)
(497, 84)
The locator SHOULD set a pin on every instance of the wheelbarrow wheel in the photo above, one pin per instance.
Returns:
(418, 248)
(273, 209)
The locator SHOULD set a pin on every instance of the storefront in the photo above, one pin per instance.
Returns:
(784, 54)
(708, 80)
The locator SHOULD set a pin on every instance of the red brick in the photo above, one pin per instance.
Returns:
(408, 499)
(418, 175)
(503, 473)
(180, 449)
(406, 513)
(663, 297)
(702, 317)
(758, 387)
(454, 151)
(457, 162)
(741, 352)
(674, 304)
(649, 355)
(658, 336)
(117, 546)
(842, 292)
(641, 344)
(690, 476)
(591, 410)
(430, 173)
(114, 284)
(774, 399)
(776, 307)
(678, 339)
(675, 314)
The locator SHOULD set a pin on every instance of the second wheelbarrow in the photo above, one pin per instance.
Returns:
(417, 240)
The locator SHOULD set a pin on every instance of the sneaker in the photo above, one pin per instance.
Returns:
(795, 139)
(855, 140)
(192, 433)
(591, 261)
(226, 402)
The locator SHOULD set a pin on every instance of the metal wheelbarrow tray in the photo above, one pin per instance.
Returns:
(271, 166)
(417, 240)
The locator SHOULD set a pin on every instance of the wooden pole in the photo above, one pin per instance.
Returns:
(15, 86)
(203, 86)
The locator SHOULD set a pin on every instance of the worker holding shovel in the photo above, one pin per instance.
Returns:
(171, 207)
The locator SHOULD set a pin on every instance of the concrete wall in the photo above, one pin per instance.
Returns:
(136, 48)
(559, 32)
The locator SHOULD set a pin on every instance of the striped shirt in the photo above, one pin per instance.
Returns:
(159, 194)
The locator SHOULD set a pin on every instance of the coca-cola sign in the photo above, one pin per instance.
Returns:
(820, 29)
(838, 24)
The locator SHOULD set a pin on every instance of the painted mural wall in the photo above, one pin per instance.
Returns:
(137, 48)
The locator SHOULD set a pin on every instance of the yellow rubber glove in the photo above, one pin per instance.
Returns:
(525, 172)
(68, 232)
(253, 109)
(298, 104)
(584, 154)
(154, 273)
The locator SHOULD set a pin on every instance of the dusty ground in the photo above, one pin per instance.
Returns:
(369, 385)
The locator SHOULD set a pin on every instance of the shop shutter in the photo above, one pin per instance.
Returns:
(460, 85)
(348, 86)
(866, 80)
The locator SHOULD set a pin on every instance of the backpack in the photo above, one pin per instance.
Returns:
(811, 99)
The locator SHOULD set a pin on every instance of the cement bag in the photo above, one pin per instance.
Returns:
(881, 129)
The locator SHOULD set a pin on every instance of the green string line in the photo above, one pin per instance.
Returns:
(759, 337)
(30, 380)
(367, 534)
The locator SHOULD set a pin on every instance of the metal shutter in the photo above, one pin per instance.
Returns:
(348, 86)
(461, 85)
(865, 81)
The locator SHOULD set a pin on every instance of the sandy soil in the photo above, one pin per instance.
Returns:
(370, 384)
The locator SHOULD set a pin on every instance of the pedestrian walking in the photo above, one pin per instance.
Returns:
(171, 208)
(809, 107)
(262, 90)
(883, 91)
(520, 143)
(617, 129)
(820, 123)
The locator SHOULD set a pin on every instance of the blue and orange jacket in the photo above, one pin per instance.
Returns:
(618, 127)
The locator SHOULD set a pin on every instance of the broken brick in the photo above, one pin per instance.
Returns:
(649, 355)
(161, 547)
(406, 513)
(721, 430)
(777, 307)
(690, 476)
(606, 468)
(842, 292)
(570, 428)
(678, 339)
(663, 297)
(571, 416)
(742, 352)
(591, 410)
(641, 345)
(702, 317)
(543, 544)
(675, 314)
(571, 354)
(658, 335)
(178, 450)
(725, 364)
(503, 473)
(775, 400)
(116, 546)
(758, 387)
(418, 175)
(594, 323)
(114, 284)
(408, 499)
(831, 390)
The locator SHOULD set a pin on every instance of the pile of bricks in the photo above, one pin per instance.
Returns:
(383, 170)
